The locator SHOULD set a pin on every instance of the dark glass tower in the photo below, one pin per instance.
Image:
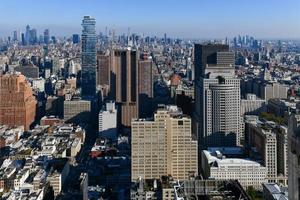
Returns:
(46, 36)
(89, 60)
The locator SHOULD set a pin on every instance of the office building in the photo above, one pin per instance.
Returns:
(33, 36)
(253, 105)
(271, 90)
(264, 89)
(123, 83)
(16, 36)
(88, 57)
(17, 103)
(108, 121)
(145, 86)
(77, 110)
(217, 96)
(268, 142)
(23, 40)
(75, 38)
(216, 165)
(46, 36)
(163, 146)
(103, 73)
(27, 35)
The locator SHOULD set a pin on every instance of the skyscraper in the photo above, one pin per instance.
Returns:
(16, 36)
(23, 39)
(46, 36)
(103, 69)
(89, 60)
(103, 73)
(32, 36)
(145, 86)
(123, 82)
(17, 103)
(217, 96)
(27, 35)
(75, 38)
(131, 83)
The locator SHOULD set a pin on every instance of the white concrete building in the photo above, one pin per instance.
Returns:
(108, 121)
(247, 172)
(253, 105)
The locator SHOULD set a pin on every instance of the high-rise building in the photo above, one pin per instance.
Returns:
(131, 83)
(33, 36)
(75, 38)
(89, 60)
(103, 69)
(46, 36)
(123, 83)
(17, 103)
(145, 86)
(16, 36)
(23, 39)
(163, 146)
(27, 35)
(217, 95)
(270, 143)
(103, 74)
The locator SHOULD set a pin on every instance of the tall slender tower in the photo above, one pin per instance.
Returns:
(145, 86)
(217, 96)
(89, 60)
(46, 36)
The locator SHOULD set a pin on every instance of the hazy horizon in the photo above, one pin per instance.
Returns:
(272, 19)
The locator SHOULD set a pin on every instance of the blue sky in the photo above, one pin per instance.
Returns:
(177, 18)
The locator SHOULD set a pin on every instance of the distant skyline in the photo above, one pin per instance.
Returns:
(183, 19)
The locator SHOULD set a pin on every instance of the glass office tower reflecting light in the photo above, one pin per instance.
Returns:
(89, 61)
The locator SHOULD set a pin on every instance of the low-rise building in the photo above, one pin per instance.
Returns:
(216, 165)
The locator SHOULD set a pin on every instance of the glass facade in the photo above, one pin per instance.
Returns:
(89, 60)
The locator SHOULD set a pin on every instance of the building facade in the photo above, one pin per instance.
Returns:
(247, 172)
(270, 142)
(123, 83)
(88, 58)
(145, 86)
(217, 96)
(108, 121)
(163, 146)
(17, 103)
(77, 110)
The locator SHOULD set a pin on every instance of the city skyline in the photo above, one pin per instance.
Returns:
(153, 100)
(194, 19)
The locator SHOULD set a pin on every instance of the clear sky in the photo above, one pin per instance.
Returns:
(177, 18)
